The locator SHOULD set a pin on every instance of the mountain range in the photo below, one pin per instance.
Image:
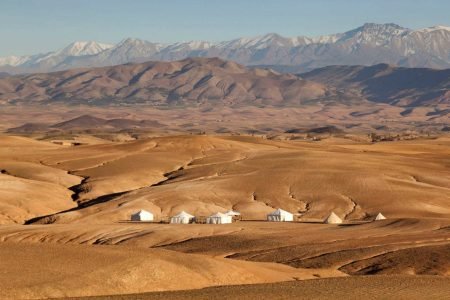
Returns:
(191, 82)
(366, 45)
(383, 83)
(215, 82)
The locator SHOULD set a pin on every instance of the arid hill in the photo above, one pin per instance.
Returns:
(86, 123)
(77, 202)
(91, 122)
(205, 174)
(384, 83)
(215, 82)
(191, 81)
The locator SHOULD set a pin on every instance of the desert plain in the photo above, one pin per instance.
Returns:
(65, 210)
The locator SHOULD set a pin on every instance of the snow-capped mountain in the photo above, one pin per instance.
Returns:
(53, 60)
(83, 48)
(366, 45)
(374, 34)
(127, 50)
(13, 60)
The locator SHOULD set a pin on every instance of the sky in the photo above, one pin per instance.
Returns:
(37, 26)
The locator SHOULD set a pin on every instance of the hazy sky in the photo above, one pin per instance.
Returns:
(33, 26)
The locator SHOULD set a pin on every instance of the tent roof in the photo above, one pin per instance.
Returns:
(142, 211)
(279, 212)
(380, 217)
(218, 215)
(184, 214)
(233, 213)
(333, 218)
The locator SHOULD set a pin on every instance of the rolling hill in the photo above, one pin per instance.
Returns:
(193, 81)
(384, 83)
(215, 82)
(87, 122)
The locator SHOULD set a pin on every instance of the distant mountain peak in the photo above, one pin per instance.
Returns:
(258, 42)
(75, 49)
(434, 28)
(13, 60)
(190, 45)
(374, 28)
(130, 40)
(80, 48)
(272, 36)
(382, 25)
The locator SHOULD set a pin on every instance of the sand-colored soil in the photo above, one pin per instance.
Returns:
(203, 175)
(373, 287)
(360, 116)
(86, 246)
(28, 188)
(35, 271)
(75, 260)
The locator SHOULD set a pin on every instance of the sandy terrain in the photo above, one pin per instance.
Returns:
(374, 287)
(358, 117)
(206, 174)
(63, 260)
(77, 200)
(43, 270)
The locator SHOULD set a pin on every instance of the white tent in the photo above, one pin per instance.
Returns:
(233, 213)
(219, 218)
(380, 217)
(333, 219)
(142, 215)
(182, 218)
(280, 215)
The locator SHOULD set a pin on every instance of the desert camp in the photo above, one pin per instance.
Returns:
(228, 217)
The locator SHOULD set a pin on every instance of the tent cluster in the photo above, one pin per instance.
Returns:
(186, 218)
(334, 219)
(217, 218)
(279, 215)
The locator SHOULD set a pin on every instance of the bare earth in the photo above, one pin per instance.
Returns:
(76, 201)
(373, 287)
